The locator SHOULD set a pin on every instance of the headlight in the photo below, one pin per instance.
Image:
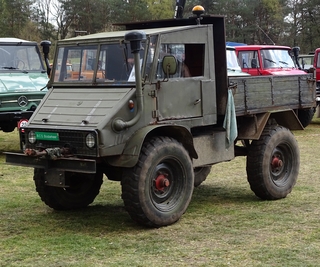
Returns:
(90, 140)
(32, 137)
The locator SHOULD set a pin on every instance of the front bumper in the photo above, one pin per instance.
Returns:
(15, 115)
(61, 164)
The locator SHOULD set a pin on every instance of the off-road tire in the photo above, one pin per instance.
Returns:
(8, 126)
(273, 163)
(82, 191)
(305, 116)
(158, 190)
(201, 174)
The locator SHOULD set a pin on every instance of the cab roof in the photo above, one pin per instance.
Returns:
(152, 27)
(98, 37)
(17, 41)
(260, 47)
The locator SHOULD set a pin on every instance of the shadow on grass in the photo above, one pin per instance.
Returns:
(230, 193)
(97, 219)
(106, 218)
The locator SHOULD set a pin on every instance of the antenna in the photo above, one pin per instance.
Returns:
(267, 36)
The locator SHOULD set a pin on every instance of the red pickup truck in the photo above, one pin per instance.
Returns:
(272, 60)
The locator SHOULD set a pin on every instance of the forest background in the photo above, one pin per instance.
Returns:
(281, 22)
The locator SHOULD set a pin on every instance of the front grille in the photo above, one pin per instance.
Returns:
(75, 140)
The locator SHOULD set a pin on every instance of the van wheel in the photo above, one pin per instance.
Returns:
(273, 163)
(201, 174)
(82, 190)
(158, 190)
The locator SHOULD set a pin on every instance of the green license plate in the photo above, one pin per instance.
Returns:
(47, 136)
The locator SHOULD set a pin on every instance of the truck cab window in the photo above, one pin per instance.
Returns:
(249, 59)
(190, 59)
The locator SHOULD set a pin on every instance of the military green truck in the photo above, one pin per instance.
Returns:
(23, 80)
(130, 110)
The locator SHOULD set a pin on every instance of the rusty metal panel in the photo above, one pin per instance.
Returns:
(212, 149)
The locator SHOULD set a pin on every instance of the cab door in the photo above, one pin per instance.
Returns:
(250, 61)
(179, 96)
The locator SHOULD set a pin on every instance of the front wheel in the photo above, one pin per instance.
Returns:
(81, 191)
(273, 163)
(158, 190)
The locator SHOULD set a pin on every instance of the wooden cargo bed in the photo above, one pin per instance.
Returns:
(260, 94)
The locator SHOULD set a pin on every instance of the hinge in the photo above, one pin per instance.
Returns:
(153, 93)
(155, 113)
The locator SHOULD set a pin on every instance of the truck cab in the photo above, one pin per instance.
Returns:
(23, 80)
(266, 60)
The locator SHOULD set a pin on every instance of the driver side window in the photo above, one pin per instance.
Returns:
(190, 59)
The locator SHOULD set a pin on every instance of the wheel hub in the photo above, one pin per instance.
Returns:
(162, 182)
(276, 163)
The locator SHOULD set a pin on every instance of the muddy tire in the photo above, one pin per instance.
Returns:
(305, 116)
(201, 174)
(273, 163)
(158, 190)
(82, 191)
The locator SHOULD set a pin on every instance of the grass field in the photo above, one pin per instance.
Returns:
(225, 224)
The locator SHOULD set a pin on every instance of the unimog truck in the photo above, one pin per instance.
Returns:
(151, 106)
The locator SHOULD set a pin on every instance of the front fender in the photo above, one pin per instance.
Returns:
(132, 149)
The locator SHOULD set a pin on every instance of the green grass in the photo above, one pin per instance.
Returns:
(225, 224)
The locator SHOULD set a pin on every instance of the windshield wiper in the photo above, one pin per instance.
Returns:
(9, 68)
(270, 60)
(231, 69)
(283, 62)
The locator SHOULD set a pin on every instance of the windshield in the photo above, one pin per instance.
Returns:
(20, 57)
(276, 58)
(104, 63)
(232, 60)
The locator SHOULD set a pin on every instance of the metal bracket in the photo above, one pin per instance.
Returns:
(55, 178)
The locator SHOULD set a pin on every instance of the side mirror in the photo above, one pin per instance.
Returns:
(254, 63)
(169, 65)
(295, 50)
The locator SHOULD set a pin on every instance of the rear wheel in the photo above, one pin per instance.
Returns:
(82, 190)
(201, 174)
(305, 116)
(158, 190)
(273, 163)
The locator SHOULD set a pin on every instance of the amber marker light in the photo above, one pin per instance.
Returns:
(198, 10)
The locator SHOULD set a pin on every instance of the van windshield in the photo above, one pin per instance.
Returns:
(20, 57)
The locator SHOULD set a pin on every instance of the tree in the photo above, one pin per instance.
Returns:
(15, 14)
